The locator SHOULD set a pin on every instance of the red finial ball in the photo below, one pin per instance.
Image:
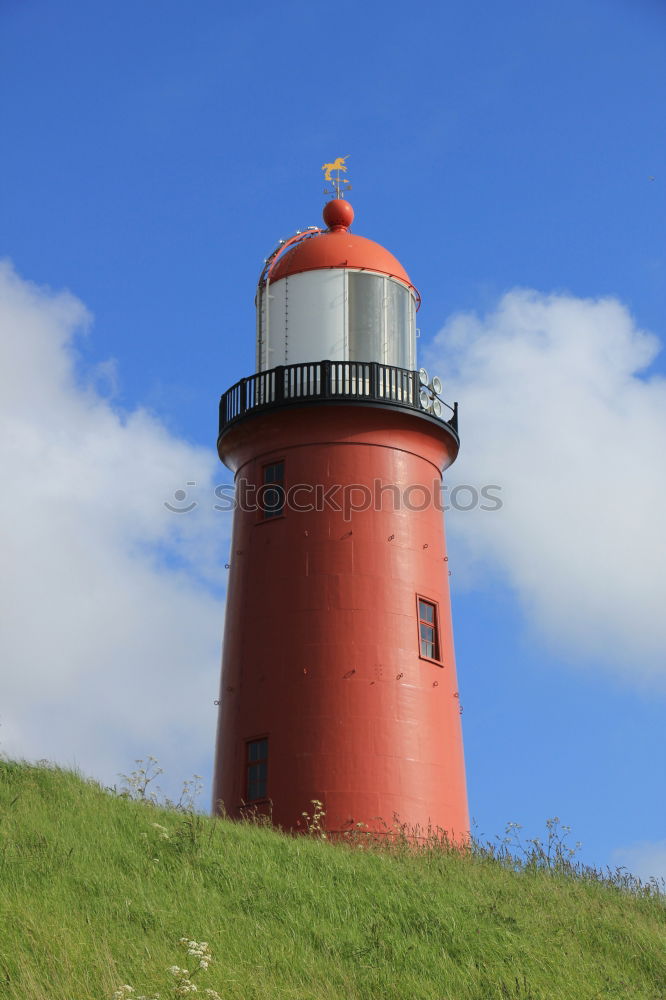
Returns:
(338, 214)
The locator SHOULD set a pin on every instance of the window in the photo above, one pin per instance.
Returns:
(256, 769)
(428, 629)
(272, 492)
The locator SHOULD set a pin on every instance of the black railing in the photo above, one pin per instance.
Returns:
(331, 381)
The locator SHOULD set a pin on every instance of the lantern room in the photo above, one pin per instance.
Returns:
(331, 294)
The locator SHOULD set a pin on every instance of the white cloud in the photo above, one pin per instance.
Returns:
(557, 409)
(112, 616)
(645, 859)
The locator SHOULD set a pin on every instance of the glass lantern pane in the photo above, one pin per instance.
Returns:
(399, 304)
(365, 316)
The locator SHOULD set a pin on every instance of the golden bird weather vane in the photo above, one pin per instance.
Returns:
(336, 167)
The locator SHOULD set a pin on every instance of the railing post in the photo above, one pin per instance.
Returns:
(243, 396)
(373, 380)
(279, 383)
(454, 418)
(326, 373)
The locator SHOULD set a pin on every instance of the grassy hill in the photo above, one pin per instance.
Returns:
(94, 895)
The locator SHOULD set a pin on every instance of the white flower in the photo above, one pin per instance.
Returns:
(123, 991)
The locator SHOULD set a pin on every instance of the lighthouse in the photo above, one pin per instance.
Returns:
(338, 679)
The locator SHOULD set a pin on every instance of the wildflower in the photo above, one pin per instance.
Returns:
(122, 992)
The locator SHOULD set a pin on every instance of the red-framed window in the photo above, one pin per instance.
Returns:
(272, 492)
(429, 645)
(256, 769)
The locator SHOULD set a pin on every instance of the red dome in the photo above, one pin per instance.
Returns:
(337, 248)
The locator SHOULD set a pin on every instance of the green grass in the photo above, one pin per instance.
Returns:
(91, 897)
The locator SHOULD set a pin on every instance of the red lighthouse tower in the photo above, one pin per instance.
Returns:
(338, 674)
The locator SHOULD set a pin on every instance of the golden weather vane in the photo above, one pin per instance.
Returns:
(336, 167)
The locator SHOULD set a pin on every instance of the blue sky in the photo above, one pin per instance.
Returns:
(512, 156)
